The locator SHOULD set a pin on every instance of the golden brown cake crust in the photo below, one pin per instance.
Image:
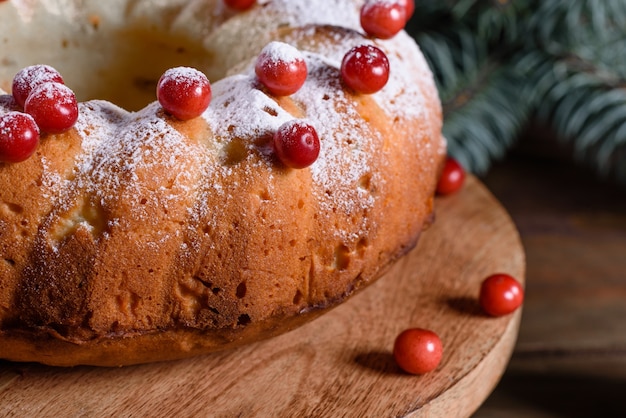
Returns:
(135, 237)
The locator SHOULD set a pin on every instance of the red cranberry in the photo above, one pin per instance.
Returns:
(417, 350)
(240, 4)
(19, 137)
(500, 294)
(53, 106)
(409, 7)
(27, 79)
(297, 144)
(452, 177)
(383, 18)
(365, 68)
(184, 92)
(281, 68)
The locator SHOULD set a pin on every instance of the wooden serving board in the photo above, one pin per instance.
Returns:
(340, 365)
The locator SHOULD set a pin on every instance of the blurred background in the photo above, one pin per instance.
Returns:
(534, 104)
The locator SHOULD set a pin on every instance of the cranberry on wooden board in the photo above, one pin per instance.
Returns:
(417, 350)
(500, 294)
(19, 137)
(452, 177)
(184, 92)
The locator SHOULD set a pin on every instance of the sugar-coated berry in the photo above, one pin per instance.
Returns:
(383, 18)
(19, 137)
(452, 177)
(53, 106)
(240, 4)
(281, 68)
(500, 294)
(365, 69)
(28, 78)
(417, 350)
(184, 92)
(296, 144)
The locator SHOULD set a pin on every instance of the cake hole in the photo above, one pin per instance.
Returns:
(365, 182)
(244, 319)
(342, 257)
(118, 65)
(362, 245)
(298, 297)
(204, 283)
(293, 242)
(234, 151)
(241, 290)
(143, 201)
(264, 195)
(87, 213)
(14, 208)
(10, 262)
(215, 311)
(300, 204)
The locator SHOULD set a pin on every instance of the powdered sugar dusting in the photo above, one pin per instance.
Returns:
(137, 159)
(280, 52)
(343, 159)
(332, 12)
(183, 75)
(240, 109)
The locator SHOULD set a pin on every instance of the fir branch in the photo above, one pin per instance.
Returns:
(486, 127)
(559, 27)
(456, 60)
(498, 61)
(585, 110)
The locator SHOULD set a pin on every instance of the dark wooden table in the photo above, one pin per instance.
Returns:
(570, 357)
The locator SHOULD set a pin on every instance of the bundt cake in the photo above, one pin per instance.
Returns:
(138, 235)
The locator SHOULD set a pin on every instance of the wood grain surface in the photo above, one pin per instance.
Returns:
(340, 365)
(570, 356)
